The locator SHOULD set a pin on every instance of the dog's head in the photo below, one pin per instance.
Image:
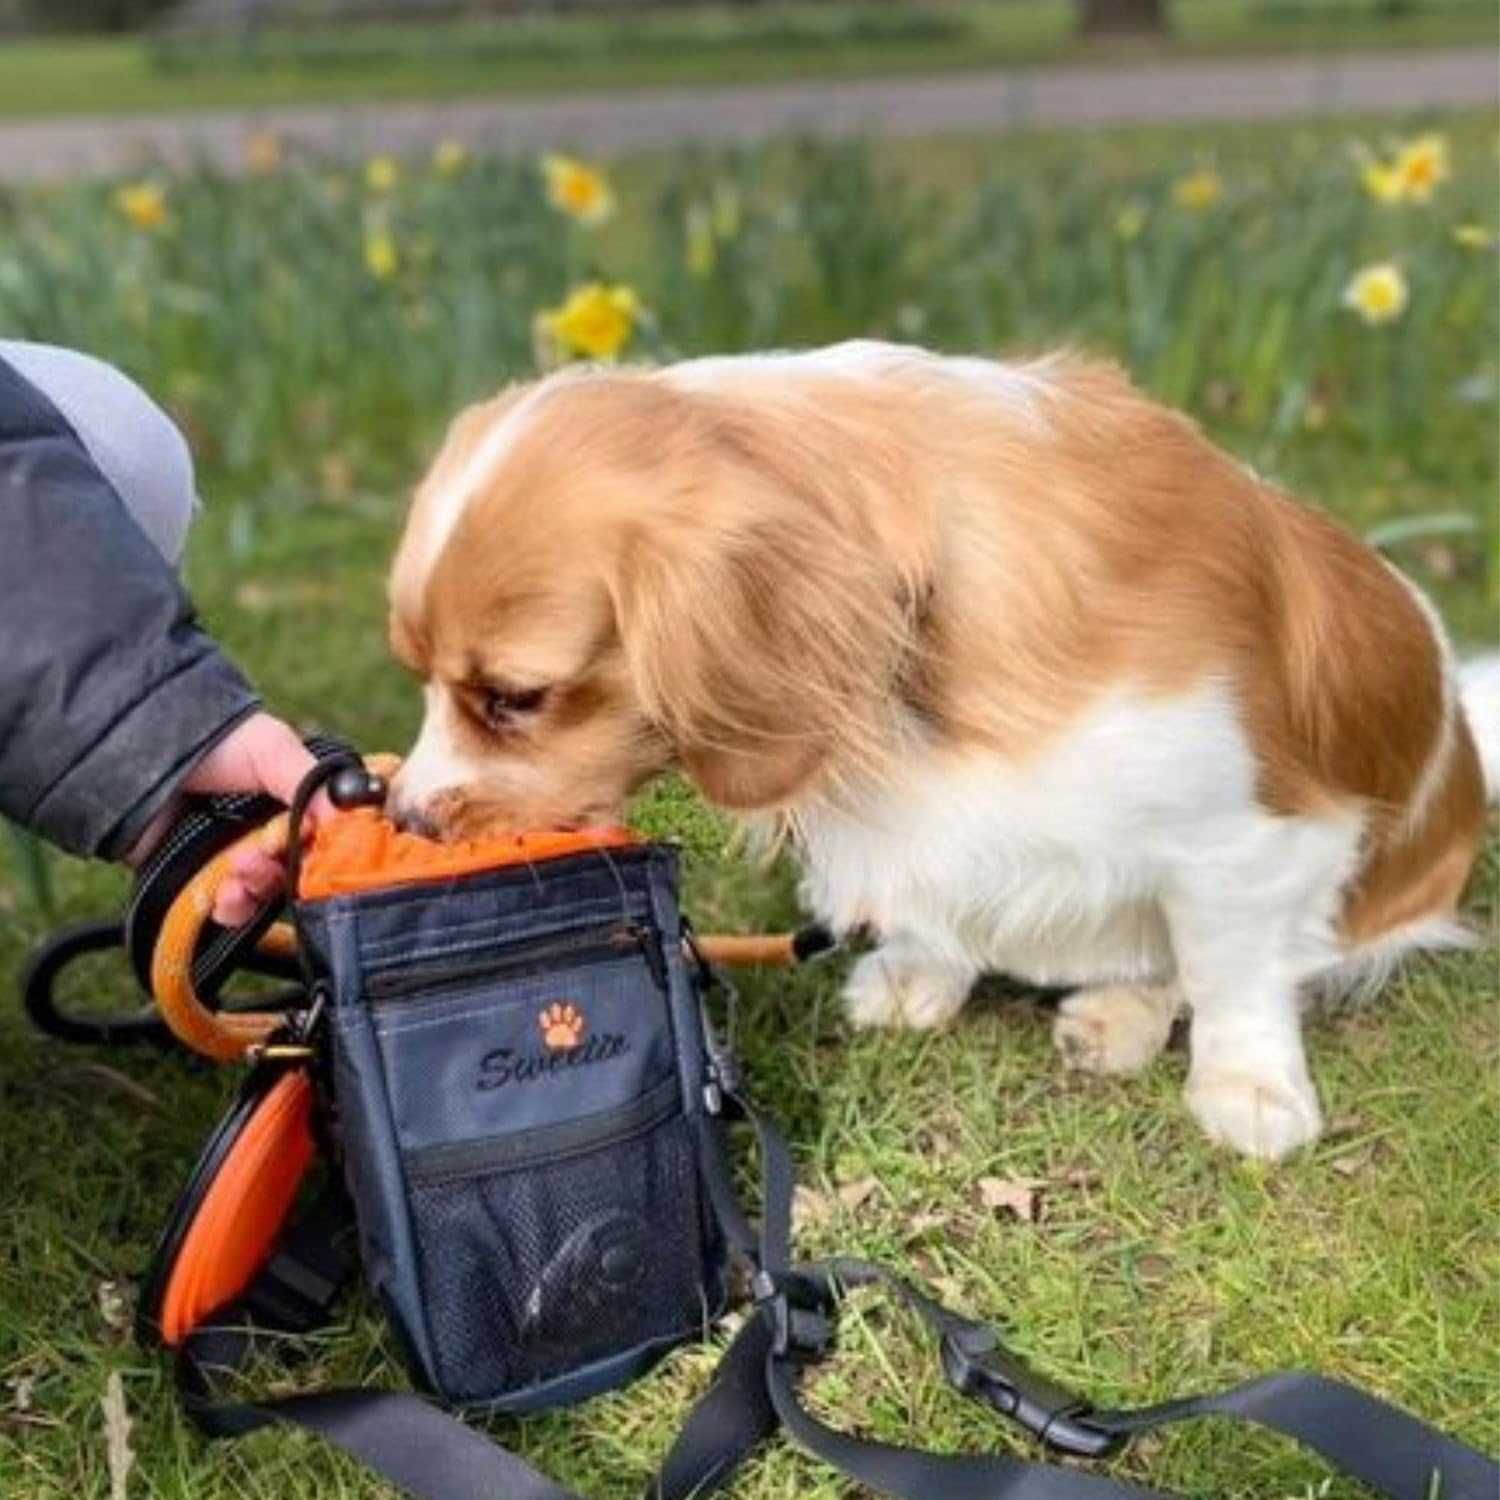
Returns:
(605, 575)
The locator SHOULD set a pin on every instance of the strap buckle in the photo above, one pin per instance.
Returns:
(977, 1364)
(294, 1041)
(801, 1314)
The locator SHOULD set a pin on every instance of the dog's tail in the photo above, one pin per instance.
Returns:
(1479, 683)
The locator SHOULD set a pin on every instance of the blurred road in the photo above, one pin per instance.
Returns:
(606, 123)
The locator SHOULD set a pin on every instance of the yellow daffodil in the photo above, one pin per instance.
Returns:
(1198, 190)
(1383, 183)
(449, 158)
(1473, 237)
(596, 321)
(382, 259)
(1130, 221)
(1412, 175)
(1378, 293)
(1422, 165)
(701, 250)
(577, 189)
(144, 204)
(263, 153)
(382, 173)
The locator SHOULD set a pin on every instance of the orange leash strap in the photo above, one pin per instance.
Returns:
(734, 950)
(221, 1035)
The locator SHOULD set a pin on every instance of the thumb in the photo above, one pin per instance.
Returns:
(260, 755)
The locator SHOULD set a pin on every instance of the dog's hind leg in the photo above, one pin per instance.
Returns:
(1116, 1028)
(903, 983)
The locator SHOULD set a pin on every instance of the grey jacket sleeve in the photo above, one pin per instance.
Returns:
(109, 691)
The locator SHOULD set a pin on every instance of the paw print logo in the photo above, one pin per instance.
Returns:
(562, 1026)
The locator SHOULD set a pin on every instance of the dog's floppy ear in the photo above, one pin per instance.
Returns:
(764, 619)
(713, 648)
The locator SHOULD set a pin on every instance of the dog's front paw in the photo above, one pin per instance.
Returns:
(1117, 1029)
(1258, 1116)
(886, 991)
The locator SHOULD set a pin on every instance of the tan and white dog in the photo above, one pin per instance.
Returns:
(1034, 677)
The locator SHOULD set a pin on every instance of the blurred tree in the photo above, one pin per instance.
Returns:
(92, 15)
(1123, 17)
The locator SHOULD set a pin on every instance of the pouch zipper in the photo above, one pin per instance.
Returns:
(593, 945)
(545, 1144)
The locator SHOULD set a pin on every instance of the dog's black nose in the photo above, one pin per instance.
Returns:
(410, 818)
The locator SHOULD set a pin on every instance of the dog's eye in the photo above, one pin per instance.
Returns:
(500, 705)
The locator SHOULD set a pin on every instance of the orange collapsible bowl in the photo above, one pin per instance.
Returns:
(232, 1211)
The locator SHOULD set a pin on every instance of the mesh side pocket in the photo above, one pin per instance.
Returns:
(531, 1272)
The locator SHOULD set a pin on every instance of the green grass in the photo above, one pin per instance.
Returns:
(1158, 1265)
(789, 39)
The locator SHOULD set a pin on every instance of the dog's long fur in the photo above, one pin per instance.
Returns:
(1034, 677)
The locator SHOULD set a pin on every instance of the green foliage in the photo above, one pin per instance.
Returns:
(538, 36)
(93, 15)
(313, 393)
(565, 50)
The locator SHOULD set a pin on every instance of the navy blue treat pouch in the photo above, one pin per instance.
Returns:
(519, 1076)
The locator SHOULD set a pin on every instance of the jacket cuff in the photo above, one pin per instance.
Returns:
(103, 804)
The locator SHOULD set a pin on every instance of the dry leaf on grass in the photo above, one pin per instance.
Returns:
(1018, 1195)
(114, 1305)
(853, 1194)
(117, 1435)
(809, 1207)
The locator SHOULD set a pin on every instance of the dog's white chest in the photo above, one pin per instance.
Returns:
(1054, 868)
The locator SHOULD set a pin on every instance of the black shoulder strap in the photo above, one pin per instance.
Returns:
(1360, 1435)
(1386, 1448)
(434, 1456)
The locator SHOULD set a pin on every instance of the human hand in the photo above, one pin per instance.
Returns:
(260, 755)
